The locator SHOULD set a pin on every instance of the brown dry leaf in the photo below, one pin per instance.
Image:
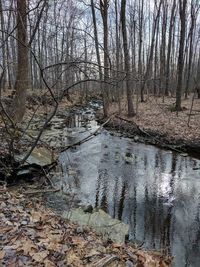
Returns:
(2, 254)
(48, 263)
(149, 260)
(27, 246)
(6, 229)
(80, 241)
(39, 256)
(72, 258)
(54, 246)
(93, 253)
(35, 216)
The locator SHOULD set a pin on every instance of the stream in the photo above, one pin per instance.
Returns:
(155, 191)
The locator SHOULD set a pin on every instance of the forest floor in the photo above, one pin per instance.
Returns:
(159, 121)
(33, 235)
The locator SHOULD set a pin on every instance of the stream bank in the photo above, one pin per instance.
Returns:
(160, 125)
(127, 128)
(34, 235)
(154, 191)
(149, 188)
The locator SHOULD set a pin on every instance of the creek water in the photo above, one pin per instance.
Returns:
(156, 192)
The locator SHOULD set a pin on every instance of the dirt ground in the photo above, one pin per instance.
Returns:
(156, 116)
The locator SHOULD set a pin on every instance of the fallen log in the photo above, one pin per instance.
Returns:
(133, 123)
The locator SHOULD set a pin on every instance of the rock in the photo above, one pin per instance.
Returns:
(129, 158)
(40, 156)
(79, 230)
(102, 222)
(184, 155)
(117, 156)
(72, 172)
(136, 138)
(88, 209)
(23, 173)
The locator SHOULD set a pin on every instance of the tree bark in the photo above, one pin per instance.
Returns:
(182, 11)
(104, 4)
(172, 21)
(21, 84)
(126, 60)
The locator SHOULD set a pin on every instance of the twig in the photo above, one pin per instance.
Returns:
(105, 261)
(88, 137)
(42, 191)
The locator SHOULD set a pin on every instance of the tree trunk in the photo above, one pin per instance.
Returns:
(3, 44)
(126, 59)
(21, 84)
(182, 11)
(104, 13)
(172, 20)
(192, 28)
(141, 16)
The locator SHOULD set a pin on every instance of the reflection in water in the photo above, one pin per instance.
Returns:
(158, 194)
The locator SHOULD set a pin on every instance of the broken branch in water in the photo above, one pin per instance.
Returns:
(149, 135)
(87, 137)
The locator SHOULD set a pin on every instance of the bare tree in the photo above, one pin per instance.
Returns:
(169, 48)
(21, 84)
(182, 12)
(126, 60)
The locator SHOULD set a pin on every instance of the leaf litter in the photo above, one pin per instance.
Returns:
(33, 235)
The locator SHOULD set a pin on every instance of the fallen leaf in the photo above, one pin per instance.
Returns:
(27, 246)
(2, 254)
(40, 256)
(48, 263)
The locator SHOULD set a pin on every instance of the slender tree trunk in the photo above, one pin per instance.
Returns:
(182, 11)
(192, 28)
(104, 13)
(150, 58)
(163, 48)
(21, 84)
(3, 43)
(126, 60)
(172, 21)
(141, 15)
(117, 53)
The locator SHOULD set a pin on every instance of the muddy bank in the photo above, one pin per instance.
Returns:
(126, 128)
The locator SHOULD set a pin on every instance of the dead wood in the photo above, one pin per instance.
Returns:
(89, 136)
(106, 261)
(42, 191)
(134, 124)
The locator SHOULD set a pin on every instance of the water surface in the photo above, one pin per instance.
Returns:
(157, 192)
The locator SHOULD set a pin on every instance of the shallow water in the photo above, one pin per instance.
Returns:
(157, 192)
